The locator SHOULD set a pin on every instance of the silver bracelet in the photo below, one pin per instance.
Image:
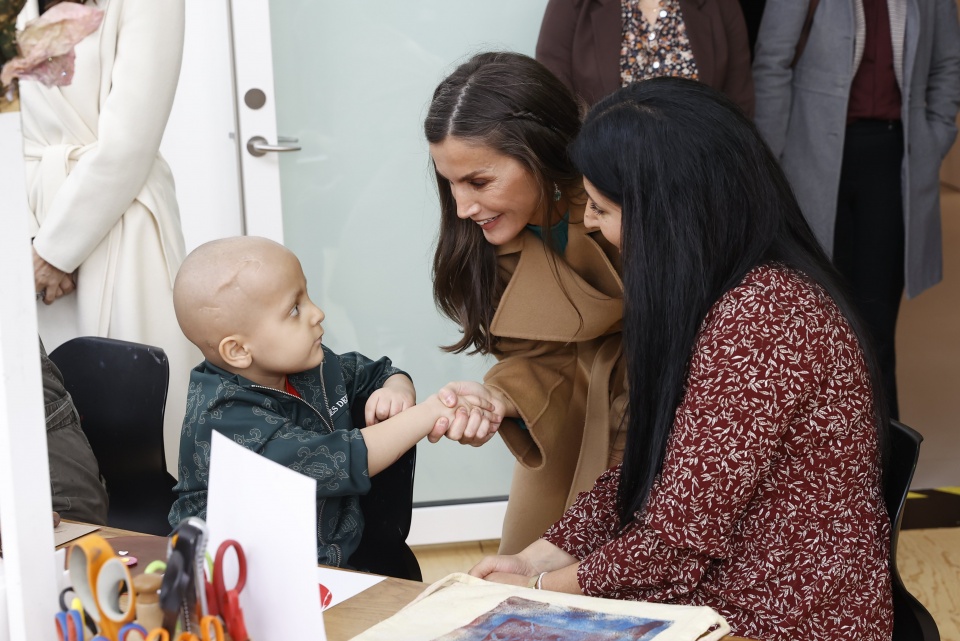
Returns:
(539, 584)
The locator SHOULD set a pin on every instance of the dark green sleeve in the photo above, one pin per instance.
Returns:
(337, 460)
(362, 376)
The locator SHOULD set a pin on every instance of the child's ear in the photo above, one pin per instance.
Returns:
(235, 353)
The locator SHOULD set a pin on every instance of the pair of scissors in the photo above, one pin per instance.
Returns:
(182, 593)
(99, 577)
(210, 630)
(70, 625)
(71, 633)
(226, 602)
(71, 618)
(129, 628)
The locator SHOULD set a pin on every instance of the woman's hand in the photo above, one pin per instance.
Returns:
(49, 280)
(559, 568)
(505, 566)
(468, 429)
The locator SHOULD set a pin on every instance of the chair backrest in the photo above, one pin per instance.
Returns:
(911, 621)
(387, 511)
(119, 389)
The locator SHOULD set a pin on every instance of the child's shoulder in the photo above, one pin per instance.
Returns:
(212, 379)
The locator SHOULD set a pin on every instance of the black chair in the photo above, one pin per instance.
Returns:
(911, 621)
(387, 510)
(119, 389)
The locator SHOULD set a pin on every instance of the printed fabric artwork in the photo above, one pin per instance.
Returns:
(519, 619)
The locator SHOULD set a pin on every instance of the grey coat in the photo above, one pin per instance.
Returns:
(802, 113)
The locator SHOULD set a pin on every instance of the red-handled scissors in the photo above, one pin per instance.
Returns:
(226, 602)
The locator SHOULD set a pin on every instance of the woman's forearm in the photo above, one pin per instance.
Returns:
(562, 580)
(544, 556)
(541, 561)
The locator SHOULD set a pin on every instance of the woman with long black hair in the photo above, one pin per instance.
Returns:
(751, 478)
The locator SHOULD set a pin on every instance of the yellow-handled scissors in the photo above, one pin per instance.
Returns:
(99, 577)
(210, 630)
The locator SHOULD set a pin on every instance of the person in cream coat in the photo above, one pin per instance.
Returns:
(104, 220)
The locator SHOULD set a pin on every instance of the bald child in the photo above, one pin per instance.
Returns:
(269, 383)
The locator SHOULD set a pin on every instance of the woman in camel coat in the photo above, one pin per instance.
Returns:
(104, 214)
(546, 305)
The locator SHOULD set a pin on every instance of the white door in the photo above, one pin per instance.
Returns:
(351, 82)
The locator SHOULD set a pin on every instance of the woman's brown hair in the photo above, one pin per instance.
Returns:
(516, 106)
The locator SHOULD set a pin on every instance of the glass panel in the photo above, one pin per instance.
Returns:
(353, 82)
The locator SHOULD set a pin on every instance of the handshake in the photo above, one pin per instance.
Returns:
(477, 411)
(465, 411)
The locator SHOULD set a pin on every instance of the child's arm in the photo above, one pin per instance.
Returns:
(388, 440)
(396, 395)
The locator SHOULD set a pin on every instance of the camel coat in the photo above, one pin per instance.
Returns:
(580, 42)
(560, 362)
(102, 199)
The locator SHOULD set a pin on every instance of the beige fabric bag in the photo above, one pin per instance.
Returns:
(459, 599)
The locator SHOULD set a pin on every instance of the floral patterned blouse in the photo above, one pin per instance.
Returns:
(768, 507)
(660, 49)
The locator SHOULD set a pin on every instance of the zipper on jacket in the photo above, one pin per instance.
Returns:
(327, 422)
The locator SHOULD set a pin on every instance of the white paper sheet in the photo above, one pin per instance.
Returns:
(341, 584)
(272, 512)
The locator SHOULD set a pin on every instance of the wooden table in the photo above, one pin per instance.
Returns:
(353, 616)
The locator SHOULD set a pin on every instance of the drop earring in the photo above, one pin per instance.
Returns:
(557, 194)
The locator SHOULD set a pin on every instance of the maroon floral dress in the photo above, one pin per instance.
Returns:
(769, 507)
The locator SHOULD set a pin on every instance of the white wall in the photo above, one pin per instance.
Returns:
(353, 81)
(199, 142)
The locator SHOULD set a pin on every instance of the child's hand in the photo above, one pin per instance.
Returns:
(471, 420)
(466, 428)
(396, 395)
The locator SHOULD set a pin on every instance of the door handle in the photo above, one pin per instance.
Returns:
(258, 146)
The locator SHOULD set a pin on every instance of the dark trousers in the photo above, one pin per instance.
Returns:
(77, 490)
(869, 239)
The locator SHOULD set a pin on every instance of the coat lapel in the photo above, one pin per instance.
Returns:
(606, 23)
(548, 299)
(700, 35)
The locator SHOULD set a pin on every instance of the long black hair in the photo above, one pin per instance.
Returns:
(517, 107)
(703, 202)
